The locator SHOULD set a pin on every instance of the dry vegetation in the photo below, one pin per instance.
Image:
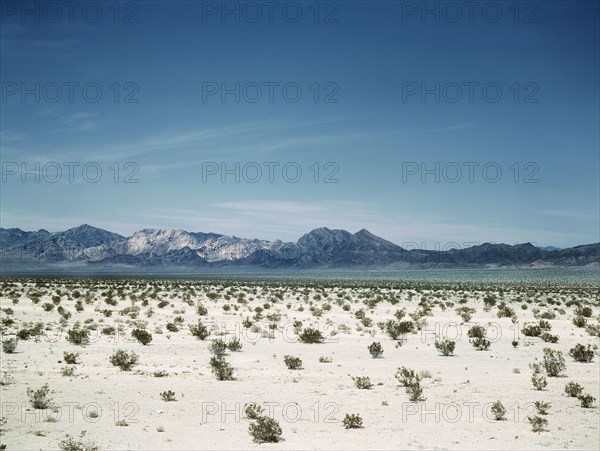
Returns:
(187, 364)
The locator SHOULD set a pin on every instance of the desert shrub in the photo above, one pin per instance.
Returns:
(579, 321)
(9, 346)
(515, 343)
(398, 329)
(69, 443)
(573, 389)
(548, 314)
(352, 421)
(168, 396)
(586, 400)
(77, 335)
(162, 304)
(123, 360)
(538, 424)
(70, 357)
(405, 376)
(375, 349)
(201, 310)
(199, 330)
(466, 313)
(172, 327)
(505, 311)
(217, 347)
(40, 398)
(477, 337)
(221, 368)
(582, 354)
(324, 359)
(499, 411)
(411, 382)
(292, 362)
(549, 338)
(584, 311)
(253, 411)
(265, 430)
(24, 334)
(310, 335)
(593, 330)
(542, 407)
(362, 382)
(445, 347)
(554, 362)
(108, 330)
(161, 373)
(544, 325)
(539, 381)
(415, 390)
(47, 306)
(142, 335)
(532, 330)
(67, 371)
(476, 331)
(234, 345)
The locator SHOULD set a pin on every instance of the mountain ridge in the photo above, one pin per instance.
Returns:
(320, 248)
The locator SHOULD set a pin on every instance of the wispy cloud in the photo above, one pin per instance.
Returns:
(570, 214)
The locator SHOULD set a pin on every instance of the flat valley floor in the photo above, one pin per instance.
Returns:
(48, 403)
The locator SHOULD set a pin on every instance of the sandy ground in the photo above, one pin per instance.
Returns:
(310, 403)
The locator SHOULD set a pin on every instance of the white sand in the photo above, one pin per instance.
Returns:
(309, 404)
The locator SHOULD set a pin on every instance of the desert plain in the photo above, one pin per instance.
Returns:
(201, 364)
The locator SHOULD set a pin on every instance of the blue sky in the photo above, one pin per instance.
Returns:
(363, 57)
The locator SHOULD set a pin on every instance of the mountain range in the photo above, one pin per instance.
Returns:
(321, 248)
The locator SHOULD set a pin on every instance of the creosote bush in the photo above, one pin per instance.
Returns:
(292, 362)
(77, 335)
(579, 321)
(573, 389)
(217, 347)
(311, 335)
(221, 368)
(375, 349)
(265, 430)
(532, 330)
(538, 424)
(234, 345)
(445, 347)
(9, 346)
(253, 411)
(539, 381)
(477, 337)
(499, 411)
(362, 382)
(542, 407)
(71, 357)
(582, 354)
(411, 382)
(168, 396)
(199, 330)
(353, 421)
(123, 359)
(142, 335)
(554, 362)
(586, 400)
(69, 443)
(40, 398)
